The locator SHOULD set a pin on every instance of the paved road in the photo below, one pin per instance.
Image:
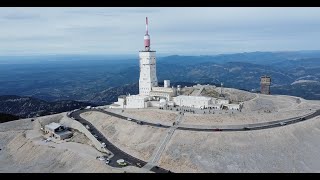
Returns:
(163, 143)
(117, 153)
(250, 127)
(242, 127)
(200, 90)
(132, 119)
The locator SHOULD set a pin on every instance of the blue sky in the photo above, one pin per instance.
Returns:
(183, 31)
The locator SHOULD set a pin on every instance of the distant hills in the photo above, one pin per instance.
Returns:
(24, 107)
(51, 80)
(249, 57)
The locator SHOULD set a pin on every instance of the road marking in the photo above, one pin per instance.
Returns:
(157, 154)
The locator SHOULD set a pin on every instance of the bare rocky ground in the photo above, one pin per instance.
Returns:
(23, 150)
(293, 148)
(152, 115)
(237, 118)
(290, 148)
(79, 137)
(236, 95)
(258, 108)
(139, 141)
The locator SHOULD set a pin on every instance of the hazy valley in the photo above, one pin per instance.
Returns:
(100, 80)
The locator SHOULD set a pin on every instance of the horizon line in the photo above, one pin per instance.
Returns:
(159, 54)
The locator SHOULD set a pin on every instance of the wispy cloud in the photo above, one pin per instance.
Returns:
(21, 16)
(173, 30)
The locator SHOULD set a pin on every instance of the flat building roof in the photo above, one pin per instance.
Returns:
(194, 97)
(53, 125)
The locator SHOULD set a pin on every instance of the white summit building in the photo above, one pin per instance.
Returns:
(151, 95)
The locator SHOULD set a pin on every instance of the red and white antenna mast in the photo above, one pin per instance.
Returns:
(146, 25)
(147, 37)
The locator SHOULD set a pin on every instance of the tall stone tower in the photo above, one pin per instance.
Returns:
(265, 82)
(147, 62)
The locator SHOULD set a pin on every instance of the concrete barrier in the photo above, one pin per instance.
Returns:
(78, 126)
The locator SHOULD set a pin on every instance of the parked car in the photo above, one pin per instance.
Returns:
(107, 161)
(100, 158)
(121, 162)
(129, 119)
(139, 122)
(282, 123)
(47, 140)
(87, 127)
(103, 144)
(246, 128)
(158, 124)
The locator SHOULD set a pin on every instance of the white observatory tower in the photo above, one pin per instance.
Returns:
(148, 73)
